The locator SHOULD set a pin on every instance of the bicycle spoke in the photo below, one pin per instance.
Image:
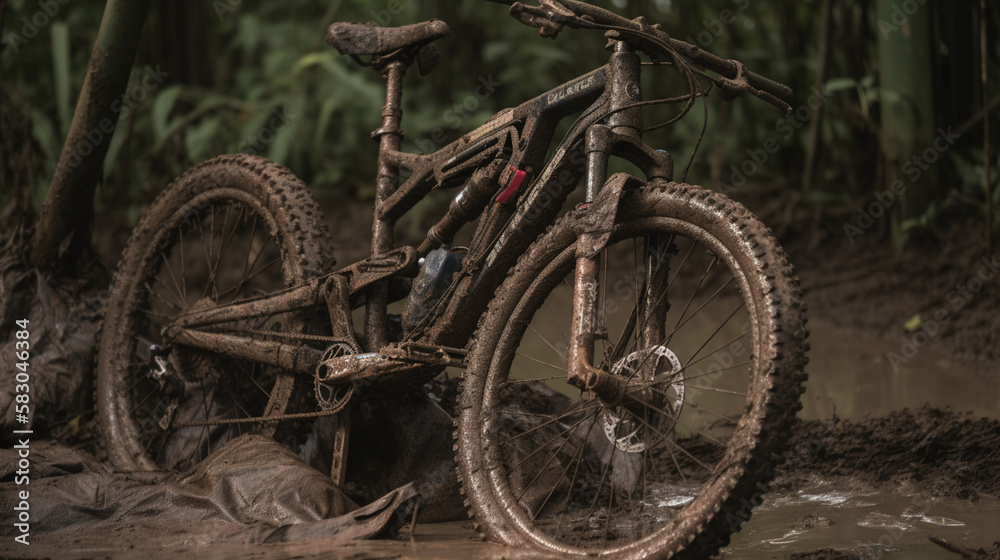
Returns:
(597, 493)
(542, 362)
(714, 389)
(556, 419)
(704, 344)
(687, 305)
(700, 375)
(655, 408)
(547, 343)
(577, 456)
(555, 323)
(565, 442)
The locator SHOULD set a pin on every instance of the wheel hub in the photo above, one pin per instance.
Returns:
(654, 377)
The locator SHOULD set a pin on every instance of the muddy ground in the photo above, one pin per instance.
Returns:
(943, 289)
(954, 454)
(926, 459)
(940, 299)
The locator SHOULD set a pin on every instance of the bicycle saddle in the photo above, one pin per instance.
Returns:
(359, 39)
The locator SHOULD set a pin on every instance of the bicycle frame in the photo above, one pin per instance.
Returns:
(519, 138)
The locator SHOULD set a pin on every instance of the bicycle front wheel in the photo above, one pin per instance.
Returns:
(699, 312)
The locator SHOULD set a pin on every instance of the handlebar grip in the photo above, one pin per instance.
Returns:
(774, 100)
(767, 85)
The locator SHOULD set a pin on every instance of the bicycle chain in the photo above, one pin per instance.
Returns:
(281, 417)
(299, 336)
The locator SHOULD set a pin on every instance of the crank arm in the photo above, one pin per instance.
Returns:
(391, 359)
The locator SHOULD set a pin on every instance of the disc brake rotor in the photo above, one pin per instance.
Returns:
(659, 370)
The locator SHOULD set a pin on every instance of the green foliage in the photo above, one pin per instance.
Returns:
(275, 88)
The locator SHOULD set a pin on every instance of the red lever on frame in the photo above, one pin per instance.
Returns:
(515, 183)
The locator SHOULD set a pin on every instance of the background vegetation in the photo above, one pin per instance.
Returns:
(256, 76)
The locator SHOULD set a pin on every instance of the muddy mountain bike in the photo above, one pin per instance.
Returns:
(631, 363)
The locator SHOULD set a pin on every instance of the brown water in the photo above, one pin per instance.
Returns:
(891, 523)
(850, 375)
(853, 376)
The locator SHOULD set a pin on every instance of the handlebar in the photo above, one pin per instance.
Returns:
(575, 13)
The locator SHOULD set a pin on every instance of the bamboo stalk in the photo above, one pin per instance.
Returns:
(987, 182)
(824, 49)
(63, 230)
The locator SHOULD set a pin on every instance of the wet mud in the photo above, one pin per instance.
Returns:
(945, 460)
(943, 291)
(954, 454)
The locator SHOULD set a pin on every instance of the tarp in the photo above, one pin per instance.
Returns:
(251, 490)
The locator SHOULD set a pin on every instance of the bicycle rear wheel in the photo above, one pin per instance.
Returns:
(713, 380)
(231, 228)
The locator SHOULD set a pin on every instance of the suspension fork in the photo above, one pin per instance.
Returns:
(624, 124)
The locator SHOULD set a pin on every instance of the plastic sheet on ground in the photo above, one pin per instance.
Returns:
(251, 490)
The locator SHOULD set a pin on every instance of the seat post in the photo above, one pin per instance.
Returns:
(390, 137)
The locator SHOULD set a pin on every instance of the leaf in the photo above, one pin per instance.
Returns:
(208, 104)
(114, 151)
(284, 124)
(325, 114)
(199, 137)
(840, 84)
(45, 134)
(311, 59)
(162, 106)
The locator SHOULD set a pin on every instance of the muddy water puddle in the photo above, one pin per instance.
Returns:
(888, 523)
(854, 376)
(850, 375)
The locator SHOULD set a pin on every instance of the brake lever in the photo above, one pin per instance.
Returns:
(548, 17)
(737, 86)
(537, 17)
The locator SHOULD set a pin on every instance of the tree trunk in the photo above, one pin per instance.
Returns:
(907, 102)
(62, 233)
